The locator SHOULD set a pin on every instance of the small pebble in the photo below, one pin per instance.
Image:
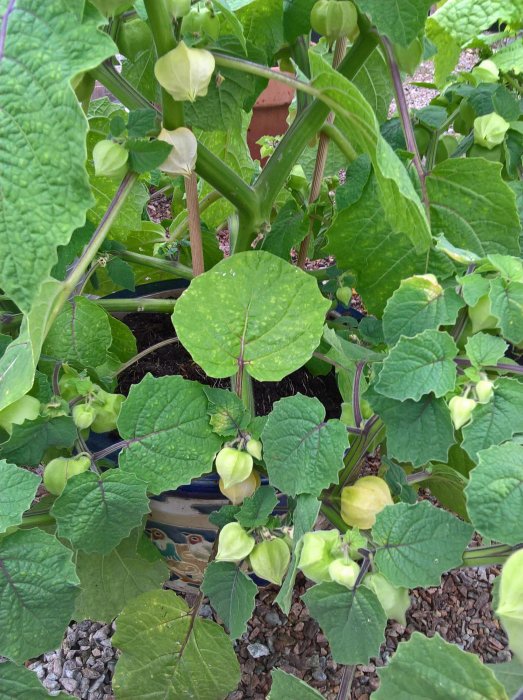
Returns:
(257, 650)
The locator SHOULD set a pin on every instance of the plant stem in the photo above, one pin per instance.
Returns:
(309, 122)
(246, 389)
(122, 89)
(195, 231)
(334, 517)
(145, 304)
(301, 57)
(335, 135)
(357, 451)
(501, 366)
(36, 521)
(79, 268)
(176, 269)
(182, 227)
(162, 28)
(321, 159)
(492, 554)
(356, 407)
(144, 353)
(406, 123)
(110, 449)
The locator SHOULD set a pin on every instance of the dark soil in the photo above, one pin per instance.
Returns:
(174, 359)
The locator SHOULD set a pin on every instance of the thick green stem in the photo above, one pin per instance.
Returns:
(120, 87)
(335, 135)
(82, 264)
(183, 226)
(145, 304)
(174, 268)
(36, 521)
(354, 458)
(247, 395)
(493, 554)
(162, 28)
(306, 125)
(334, 517)
(301, 56)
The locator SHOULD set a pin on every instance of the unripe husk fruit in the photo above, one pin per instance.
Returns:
(510, 604)
(185, 73)
(334, 19)
(481, 316)
(83, 416)
(234, 543)
(394, 601)
(201, 21)
(24, 408)
(60, 469)
(254, 448)
(461, 410)
(182, 159)
(490, 130)
(179, 8)
(269, 560)
(361, 502)
(110, 159)
(484, 390)
(233, 466)
(344, 571)
(107, 412)
(239, 492)
(319, 550)
(344, 295)
(134, 36)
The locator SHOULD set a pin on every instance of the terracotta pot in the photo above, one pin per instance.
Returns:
(269, 117)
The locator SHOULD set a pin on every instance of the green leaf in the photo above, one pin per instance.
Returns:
(287, 231)
(347, 353)
(396, 479)
(30, 440)
(417, 543)
(233, 23)
(18, 490)
(285, 686)
(509, 57)
(95, 513)
(373, 81)
(419, 303)
(484, 350)
(228, 414)
(140, 73)
(109, 581)
(510, 674)
(303, 518)
(495, 421)
(401, 20)
(172, 442)
(432, 668)
(167, 654)
(121, 274)
(419, 365)
(257, 508)
(447, 485)
(42, 129)
(81, 334)
(122, 348)
(142, 123)
(506, 303)
(303, 453)
(145, 156)
(262, 22)
(18, 363)
(473, 207)
(231, 593)
(256, 311)
(357, 176)
(68, 253)
(37, 591)
(296, 18)
(495, 493)
(352, 620)
(19, 683)
(402, 206)
(409, 423)
(224, 515)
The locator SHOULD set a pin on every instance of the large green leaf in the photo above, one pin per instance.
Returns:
(419, 365)
(285, 686)
(484, 349)
(296, 18)
(510, 674)
(419, 303)
(352, 620)
(401, 20)
(29, 441)
(42, 132)
(374, 83)
(109, 581)
(495, 493)
(18, 490)
(473, 207)
(432, 668)
(95, 513)
(169, 655)
(256, 311)
(172, 441)
(81, 334)
(417, 543)
(302, 451)
(262, 22)
(506, 303)
(495, 421)
(231, 593)
(19, 683)
(18, 363)
(417, 431)
(355, 117)
(37, 591)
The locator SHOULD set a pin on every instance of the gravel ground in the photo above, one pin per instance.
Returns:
(459, 609)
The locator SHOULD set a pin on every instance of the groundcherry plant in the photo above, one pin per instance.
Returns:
(418, 212)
